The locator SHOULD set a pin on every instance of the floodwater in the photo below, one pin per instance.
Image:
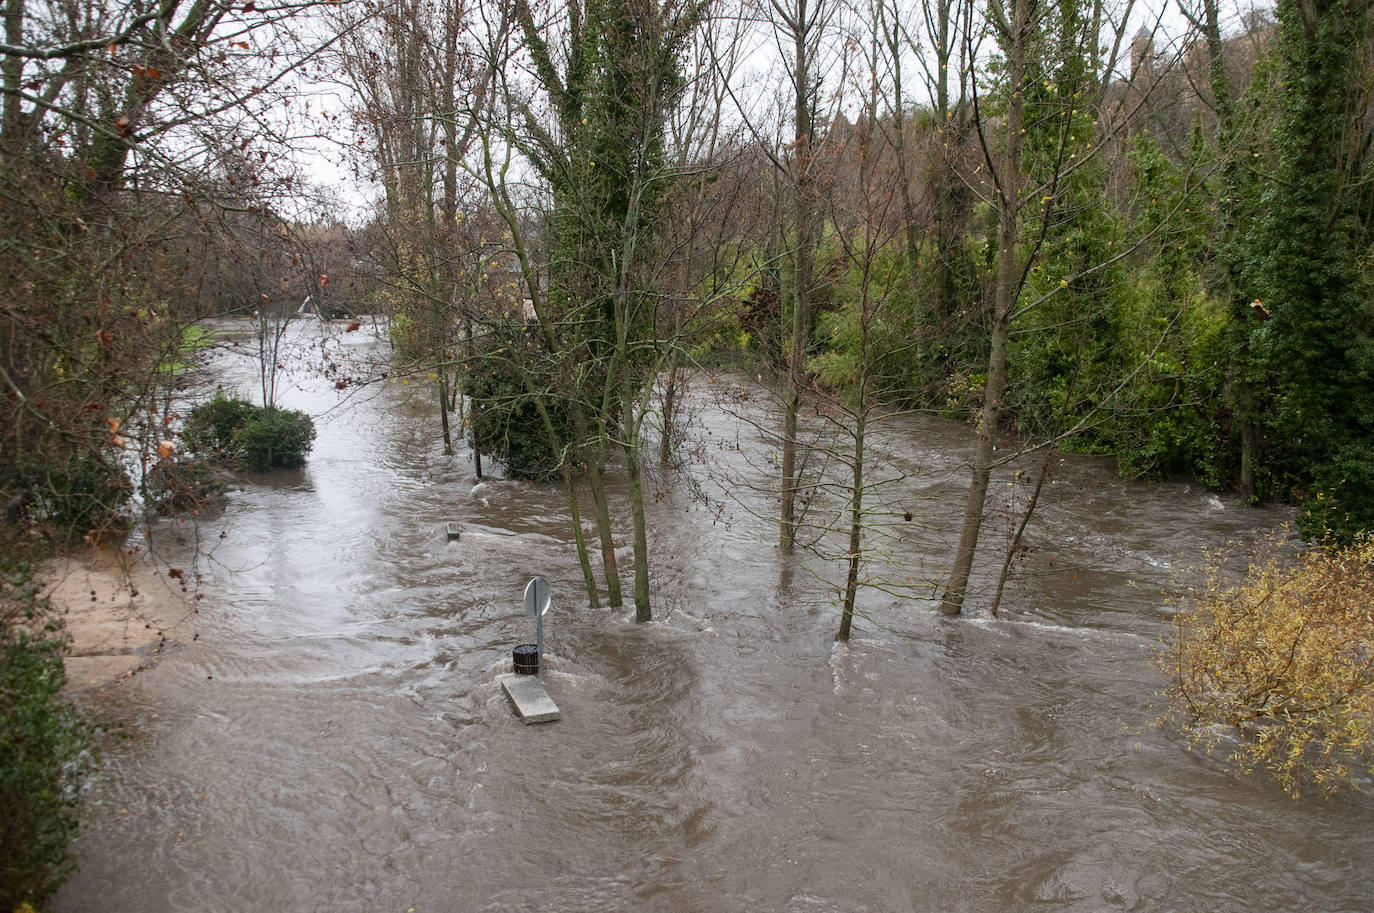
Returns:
(330, 735)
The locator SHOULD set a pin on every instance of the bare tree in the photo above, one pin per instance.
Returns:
(1026, 33)
(801, 24)
(419, 114)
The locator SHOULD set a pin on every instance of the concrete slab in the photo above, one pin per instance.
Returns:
(452, 530)
(532, 703)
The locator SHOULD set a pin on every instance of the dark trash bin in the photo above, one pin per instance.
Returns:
(526, 658)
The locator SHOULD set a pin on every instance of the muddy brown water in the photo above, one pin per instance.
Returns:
(334, 738)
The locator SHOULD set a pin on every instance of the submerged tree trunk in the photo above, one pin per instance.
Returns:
(643, 611)
(1009, 270)
(472, 413)
(1015, 545)
(443, 412)
(790, 482)
(604, 529)
(952, 603)
(802, 27)
(856, 508)
(588, 576)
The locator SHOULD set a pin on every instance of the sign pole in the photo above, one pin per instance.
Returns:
(537, 602)
(539, 645)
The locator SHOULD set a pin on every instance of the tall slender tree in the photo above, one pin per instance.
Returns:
(802, 23)
(1037, 147)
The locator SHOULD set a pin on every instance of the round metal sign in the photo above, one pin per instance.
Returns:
(537, 599)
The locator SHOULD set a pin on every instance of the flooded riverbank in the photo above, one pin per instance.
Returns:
(332, 737)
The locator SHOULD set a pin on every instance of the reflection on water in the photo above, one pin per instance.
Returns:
(335, 738)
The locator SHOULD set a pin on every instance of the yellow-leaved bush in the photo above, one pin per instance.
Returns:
(1279, 665)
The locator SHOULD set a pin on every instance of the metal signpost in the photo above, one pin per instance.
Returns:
(537, 603)
(524, 688)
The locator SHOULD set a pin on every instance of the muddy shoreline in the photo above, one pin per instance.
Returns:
(123, 611)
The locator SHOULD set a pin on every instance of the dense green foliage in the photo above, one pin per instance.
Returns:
(45, 746)
(85, 490)
(609, 184)
(506, 419)
(275, 438)
(251, 437)
(1317, 353)
(894, 368)
(211, 426)
(1184, 294)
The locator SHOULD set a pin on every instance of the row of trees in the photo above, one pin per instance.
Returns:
(1007, 212)
(1048, 219)
(1067, 228)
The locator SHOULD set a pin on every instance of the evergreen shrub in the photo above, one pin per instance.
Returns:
(45, 745)
(506, 419)
(252, 437)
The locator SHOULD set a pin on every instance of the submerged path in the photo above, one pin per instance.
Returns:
(332, 735)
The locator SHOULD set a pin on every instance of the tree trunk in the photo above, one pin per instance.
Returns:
(802, 278)
(588, 576)
(11, 76)
(604, 530)
(947, 184)
(956, 588)
(855, 555)
(1245, 417)
(1242, 395)
(443, 412)
(1008, 288)
(1020, 532)
(892, 39)
(108, 152)
(643, 612)
(665, 446)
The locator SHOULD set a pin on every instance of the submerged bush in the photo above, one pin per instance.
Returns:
(506, 422)
(211, 426)
(253, 437)
(275, 439)
(45, 746)
(1284, 659)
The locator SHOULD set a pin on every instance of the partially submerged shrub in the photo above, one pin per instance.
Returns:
(211, 426)
(45, 747)
(1284, 659)
(506, 420)
(255, 438)
(275, 439)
